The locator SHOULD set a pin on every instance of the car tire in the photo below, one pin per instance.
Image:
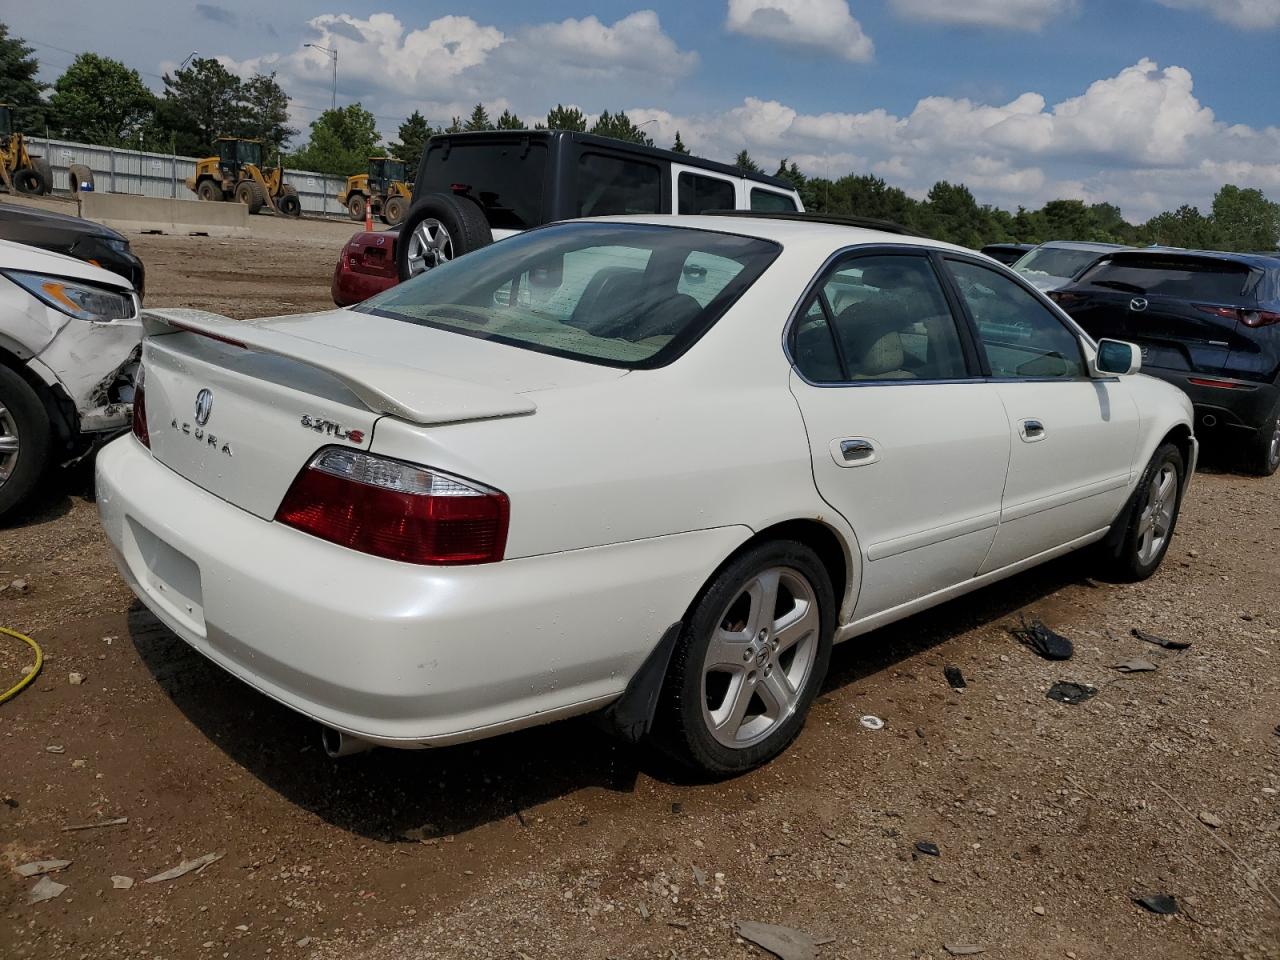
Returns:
(250, 194)
(723, 712)
(1149, 518)
(78, 174)
(289, 203)
(439, 227)
(1262, 454)
(25, 439)
(209, 190)
(393, 211)
(30, 180)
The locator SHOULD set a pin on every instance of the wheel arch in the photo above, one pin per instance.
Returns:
(1180, 436)
(59, 407)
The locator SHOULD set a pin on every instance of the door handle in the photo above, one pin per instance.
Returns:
(1032, 430)
(854, 452)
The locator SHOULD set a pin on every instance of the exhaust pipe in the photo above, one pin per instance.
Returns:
(338, 744)
(1209, 420)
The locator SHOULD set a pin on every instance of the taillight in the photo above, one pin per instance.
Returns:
(140, 411)
(396, 510)
(1227, 313)
(1258, 318)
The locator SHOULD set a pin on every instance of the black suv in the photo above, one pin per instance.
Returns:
(474, 188)
(1206, 322)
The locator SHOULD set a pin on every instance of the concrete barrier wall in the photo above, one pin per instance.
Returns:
(155, 215)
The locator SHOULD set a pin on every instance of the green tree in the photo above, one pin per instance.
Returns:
(100, 100)
(678, 146)
(744, 163)
(413, 136)
(619, 126)
(455, 126)
(951, 213)
(341, 142)
(565, 118)
(1244, 219)
(18, 84)
(1184, 227)
(509, 121)
(264, 111)
(479, 120)
(201, 103)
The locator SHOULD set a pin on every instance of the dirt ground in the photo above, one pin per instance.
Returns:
(560, 842)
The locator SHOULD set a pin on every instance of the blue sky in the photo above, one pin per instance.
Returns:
(1143, 103)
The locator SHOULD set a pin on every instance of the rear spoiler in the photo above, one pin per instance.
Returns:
(398, 391)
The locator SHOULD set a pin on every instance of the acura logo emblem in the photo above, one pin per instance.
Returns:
(1138, 304)
(204, 406)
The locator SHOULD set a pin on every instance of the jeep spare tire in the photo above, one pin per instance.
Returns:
(439, 227)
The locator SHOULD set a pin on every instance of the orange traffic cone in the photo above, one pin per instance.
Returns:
(368, 219)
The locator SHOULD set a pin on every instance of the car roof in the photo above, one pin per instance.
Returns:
(1083, 245)
(611, 143)
(788, 230)
(20, 256)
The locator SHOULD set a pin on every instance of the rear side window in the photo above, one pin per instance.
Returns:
(608, 186)
(1021, 336)
(623, 295)
(1183, 277)
(505, 179)
(700, 194)
(890, 321)
(766, 201)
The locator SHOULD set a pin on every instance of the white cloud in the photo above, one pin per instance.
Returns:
(1247, 14)
(825, 25)
(453, 62)
(1140, 139)
(1007, 14)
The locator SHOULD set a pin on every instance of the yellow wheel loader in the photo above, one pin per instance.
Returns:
(382, 190)
(20, 170)
(236, 173)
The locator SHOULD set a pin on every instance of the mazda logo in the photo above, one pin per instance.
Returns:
(1138, 304)
(204, 406)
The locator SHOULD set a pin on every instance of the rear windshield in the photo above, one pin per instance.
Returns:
(506, 179)
(1056, 261)
(621, 295)
(1185, 277)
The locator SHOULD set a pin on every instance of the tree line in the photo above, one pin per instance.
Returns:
(100, 100)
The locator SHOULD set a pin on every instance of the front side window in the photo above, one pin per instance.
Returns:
(623, 295)
(766, 201)
(1021, 336)
(609, 186)
(880, 318)
(698, 194)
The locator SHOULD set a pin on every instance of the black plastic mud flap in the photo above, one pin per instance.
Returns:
(631, 715)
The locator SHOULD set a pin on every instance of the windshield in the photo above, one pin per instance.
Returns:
(622, 295)
(1056, 261)
(249, 152)
(505, 179)
(1190, 278)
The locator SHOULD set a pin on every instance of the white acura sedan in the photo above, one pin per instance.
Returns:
(654, 467)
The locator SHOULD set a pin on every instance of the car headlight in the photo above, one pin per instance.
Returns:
(75, 298)
(120, 246)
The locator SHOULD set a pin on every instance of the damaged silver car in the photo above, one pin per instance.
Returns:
(70, 337)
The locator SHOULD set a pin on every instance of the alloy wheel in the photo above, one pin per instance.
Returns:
(429, 246)
(760, 657)
(9, 443)
(1156, 520)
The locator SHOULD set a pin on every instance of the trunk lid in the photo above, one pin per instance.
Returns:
(240, 408)
(1182, 311)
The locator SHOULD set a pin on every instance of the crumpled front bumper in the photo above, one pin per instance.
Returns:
(94, 366)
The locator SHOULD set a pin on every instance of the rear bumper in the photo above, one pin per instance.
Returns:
(366, 266)
(393, 653)
(1243, 405)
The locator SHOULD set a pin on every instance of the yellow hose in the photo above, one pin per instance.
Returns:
(13, 691)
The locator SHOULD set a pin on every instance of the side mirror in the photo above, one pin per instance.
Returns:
(1118, 358)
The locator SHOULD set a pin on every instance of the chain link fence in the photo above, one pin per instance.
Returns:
(161, 175)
